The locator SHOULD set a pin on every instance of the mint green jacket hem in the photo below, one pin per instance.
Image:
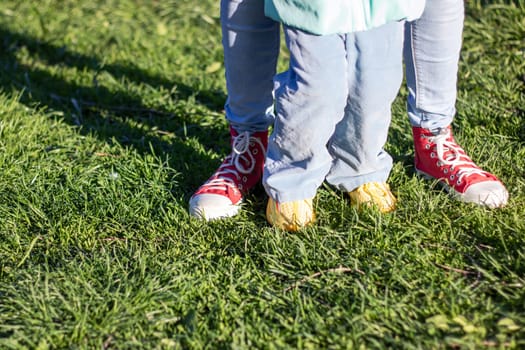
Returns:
(325, 17)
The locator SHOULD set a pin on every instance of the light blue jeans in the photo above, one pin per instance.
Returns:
(251, 47)
(432, 48)
(333, 111)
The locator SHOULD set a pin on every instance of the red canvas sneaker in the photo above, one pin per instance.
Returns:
(222, 194)
(438, 156)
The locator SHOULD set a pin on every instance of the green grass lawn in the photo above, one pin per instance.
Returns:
(111, 116)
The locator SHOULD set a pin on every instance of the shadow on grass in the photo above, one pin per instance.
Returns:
(109, 115)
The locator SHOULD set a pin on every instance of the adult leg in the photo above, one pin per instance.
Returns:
(432, 48)
(251, 47)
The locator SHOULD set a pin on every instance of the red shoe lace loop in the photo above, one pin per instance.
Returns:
(449, 153)
(242, 152)
(238, 169)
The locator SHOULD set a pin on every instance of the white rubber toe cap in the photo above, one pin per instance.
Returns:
(212, 206)
(491, 194)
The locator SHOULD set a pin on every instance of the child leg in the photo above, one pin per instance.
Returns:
(375, 74)
(309, 103)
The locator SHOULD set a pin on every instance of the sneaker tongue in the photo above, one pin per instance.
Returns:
(439, 131)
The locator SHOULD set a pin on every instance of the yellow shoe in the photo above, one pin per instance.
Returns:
(374, 194)
(290, 216)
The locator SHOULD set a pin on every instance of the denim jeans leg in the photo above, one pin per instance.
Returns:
(308, 104)
(375, 75)
(432, 48)
(251, 48)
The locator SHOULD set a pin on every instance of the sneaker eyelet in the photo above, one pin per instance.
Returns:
(427, 146)
(255, 151)
(432, 155)
(458, 182)
(240, 187)
(445, 171)
(452, 177)
(244, 179)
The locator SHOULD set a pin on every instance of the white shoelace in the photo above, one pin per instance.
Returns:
(241, 152)
(456, 157)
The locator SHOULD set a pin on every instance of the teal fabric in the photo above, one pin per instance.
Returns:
(341, 16)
